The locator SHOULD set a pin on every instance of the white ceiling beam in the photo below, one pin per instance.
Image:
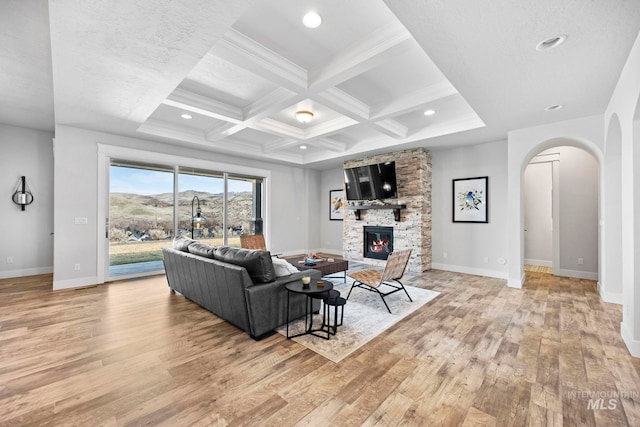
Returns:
(199, 104)
(330, 144)
(271, 103)
(245, 52)
(173, 131)
(279, 144)
(275, 127)
(230, 145)
(391, 128)
(268, 105)
(217, 131)
(376, 49)
(343, 103)
(329, 127)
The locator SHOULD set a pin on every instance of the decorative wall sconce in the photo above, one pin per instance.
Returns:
(197, 220)
(22, 196)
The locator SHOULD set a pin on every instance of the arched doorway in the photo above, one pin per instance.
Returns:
(524, 145)
(560, 207)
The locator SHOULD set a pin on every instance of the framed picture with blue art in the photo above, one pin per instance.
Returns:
(336, 205)
(471, 199)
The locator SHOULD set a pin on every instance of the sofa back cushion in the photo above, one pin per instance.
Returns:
(202, 249)
(182, 243)
(257, 263)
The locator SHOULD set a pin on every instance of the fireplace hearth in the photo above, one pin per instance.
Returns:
(378, 242)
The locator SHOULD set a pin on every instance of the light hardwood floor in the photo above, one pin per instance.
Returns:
(132, 353)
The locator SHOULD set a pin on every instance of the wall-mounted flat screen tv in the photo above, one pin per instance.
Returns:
(371, 182)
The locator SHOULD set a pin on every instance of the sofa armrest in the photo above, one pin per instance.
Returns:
(267, 302)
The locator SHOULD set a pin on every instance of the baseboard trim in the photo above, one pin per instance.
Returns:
(588, 275)
(516, 283)
(336, 252)
(470, 270)
(24, 272)
(82, 282)
(610, 297)
(539, 262)
(632, 345)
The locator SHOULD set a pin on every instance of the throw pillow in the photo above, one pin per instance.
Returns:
(257, 263)
(283, 267)
(202, 249)
(182, 243)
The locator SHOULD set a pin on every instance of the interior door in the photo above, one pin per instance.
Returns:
(538, 214)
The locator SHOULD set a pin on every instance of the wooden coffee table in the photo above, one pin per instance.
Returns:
(325, 267)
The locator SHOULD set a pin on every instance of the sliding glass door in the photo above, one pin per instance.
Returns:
(149, 204)
(140, 216)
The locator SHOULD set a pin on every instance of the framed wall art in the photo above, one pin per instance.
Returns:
(471, 199)
(336, 205)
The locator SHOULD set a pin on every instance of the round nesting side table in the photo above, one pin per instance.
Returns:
(313, 291)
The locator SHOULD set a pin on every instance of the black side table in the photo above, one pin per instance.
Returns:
(333, 299)
(313, 291)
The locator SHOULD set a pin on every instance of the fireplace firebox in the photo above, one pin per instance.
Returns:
(378, 242)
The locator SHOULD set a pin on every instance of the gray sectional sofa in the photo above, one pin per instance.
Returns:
(238, 285)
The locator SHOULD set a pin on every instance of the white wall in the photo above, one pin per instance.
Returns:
(331, 232)
(292, 204)
(579, 181)
(623, 130)
(26, 235)
(467, 245)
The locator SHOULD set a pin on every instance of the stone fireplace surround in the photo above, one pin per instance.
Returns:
(413, 175)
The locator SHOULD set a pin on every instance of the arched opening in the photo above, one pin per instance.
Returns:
(560, 211)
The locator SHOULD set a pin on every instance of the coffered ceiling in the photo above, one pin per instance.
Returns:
(368, 73)
(366, 81)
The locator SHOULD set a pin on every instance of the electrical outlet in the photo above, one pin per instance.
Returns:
(444, 255)
(9, 260)
(81, 220)
(486, 260)
(76, 267)
(580, 261)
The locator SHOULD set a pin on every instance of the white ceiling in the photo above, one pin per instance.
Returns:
(243, 68)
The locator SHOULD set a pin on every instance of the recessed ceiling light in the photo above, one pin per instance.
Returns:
(551, 42)
(187, 116)
(304, 116)
(303, 147)
(429, 112)
(312, 20)
(554, 107)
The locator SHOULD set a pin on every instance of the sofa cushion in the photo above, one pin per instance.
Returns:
(282, 267)
(257, 263)
(202, 249)
(182, 243)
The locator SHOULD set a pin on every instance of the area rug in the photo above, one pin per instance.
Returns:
(365, 317)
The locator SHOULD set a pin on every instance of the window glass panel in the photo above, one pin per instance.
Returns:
(244, 207)
(140, 216)
(203, 189)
